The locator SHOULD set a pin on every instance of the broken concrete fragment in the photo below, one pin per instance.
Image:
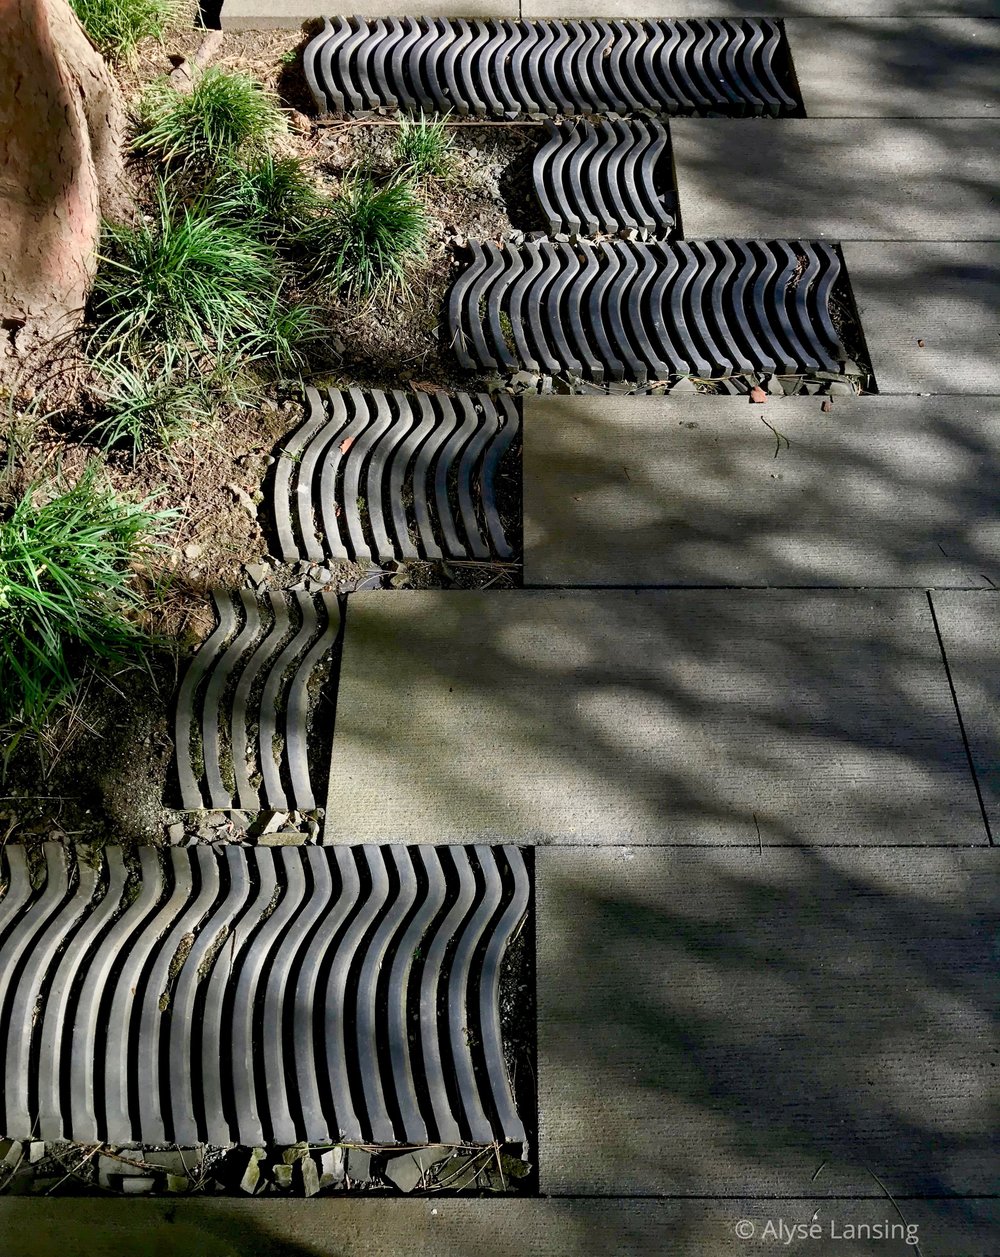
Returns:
(283, 1175)
(332, 1164)
(138, 1186)
(251, 1176)
(310, 1176)
(359, 1165)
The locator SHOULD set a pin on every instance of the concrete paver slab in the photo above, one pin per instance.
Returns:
(720, 1023)
(753, 8)
(970, 630)
(850, 67)
(448, 1227)
(930, 314)
(842, 179)
(762, 716)
(270, 14)
(696, 490)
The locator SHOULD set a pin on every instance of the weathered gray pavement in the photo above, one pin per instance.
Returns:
(795, 1019)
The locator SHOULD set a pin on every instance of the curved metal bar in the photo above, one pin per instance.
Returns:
(495, 452)
(489, 993)
(459, 982)
(122, 1124)
(375, 958)
(184, 716)
(297, 720)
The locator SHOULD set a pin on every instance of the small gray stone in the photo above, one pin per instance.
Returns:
(283, 1175)
(359, 1165)
(14, 1152)
(178, 1183)
(524, 380)
(256, 571)
(310, 1176)
(840, 388)
(683, 385)
(251, 1175)
(332, 1163)
(138, 1186)
(287, 838)
(322, 575)
(404, 1172)
(36, 1151)
(174, 1160)
(176, 832)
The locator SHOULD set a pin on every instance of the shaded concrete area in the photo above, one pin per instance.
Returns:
(271, 14)
(850, 67)
(970, 632)
(843, 179)
(847, 9)
(446, 1227)
(930, 314)
(757, 716)
(796, 1023)
(697, 490)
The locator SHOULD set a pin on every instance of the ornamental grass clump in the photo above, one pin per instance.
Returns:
(148, 403)
(366, 239)
(115, 27)
(274, 194)
(200, 282)
(424, 146)
(67, 592)
(223, 114)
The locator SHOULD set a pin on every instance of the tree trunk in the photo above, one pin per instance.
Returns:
(62, 126)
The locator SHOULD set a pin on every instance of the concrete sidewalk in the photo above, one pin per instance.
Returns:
(765, 811)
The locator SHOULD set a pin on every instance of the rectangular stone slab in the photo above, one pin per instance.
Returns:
(970, 631)
(846, 9)
(842, 179)
(684, 716)
(943, 295)
(292, 14)
(441, 1226)
(698, 490)
(888, 68)
(776, 1022)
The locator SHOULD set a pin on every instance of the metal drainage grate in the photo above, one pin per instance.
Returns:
(423, 466)
(508, 68)
(226, 994)
(604, 178)
(243, 709)
(640, 311)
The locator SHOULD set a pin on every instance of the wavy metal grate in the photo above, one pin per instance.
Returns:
(242, 717)
(605, 178)
(394, 476)
(505, 69)
(225, 994)
(639, 311)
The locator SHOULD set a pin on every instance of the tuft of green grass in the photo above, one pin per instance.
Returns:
(273, 193)
(147, 403)
(366, 238)
(67, 591)
(115, 27)
(199, 282)
(223, 114)
(424, 146)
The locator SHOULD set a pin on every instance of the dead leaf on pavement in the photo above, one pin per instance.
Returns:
(758, 395)
(827, 406)
(346, 444)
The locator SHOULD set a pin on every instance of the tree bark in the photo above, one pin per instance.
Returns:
(62, 127)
